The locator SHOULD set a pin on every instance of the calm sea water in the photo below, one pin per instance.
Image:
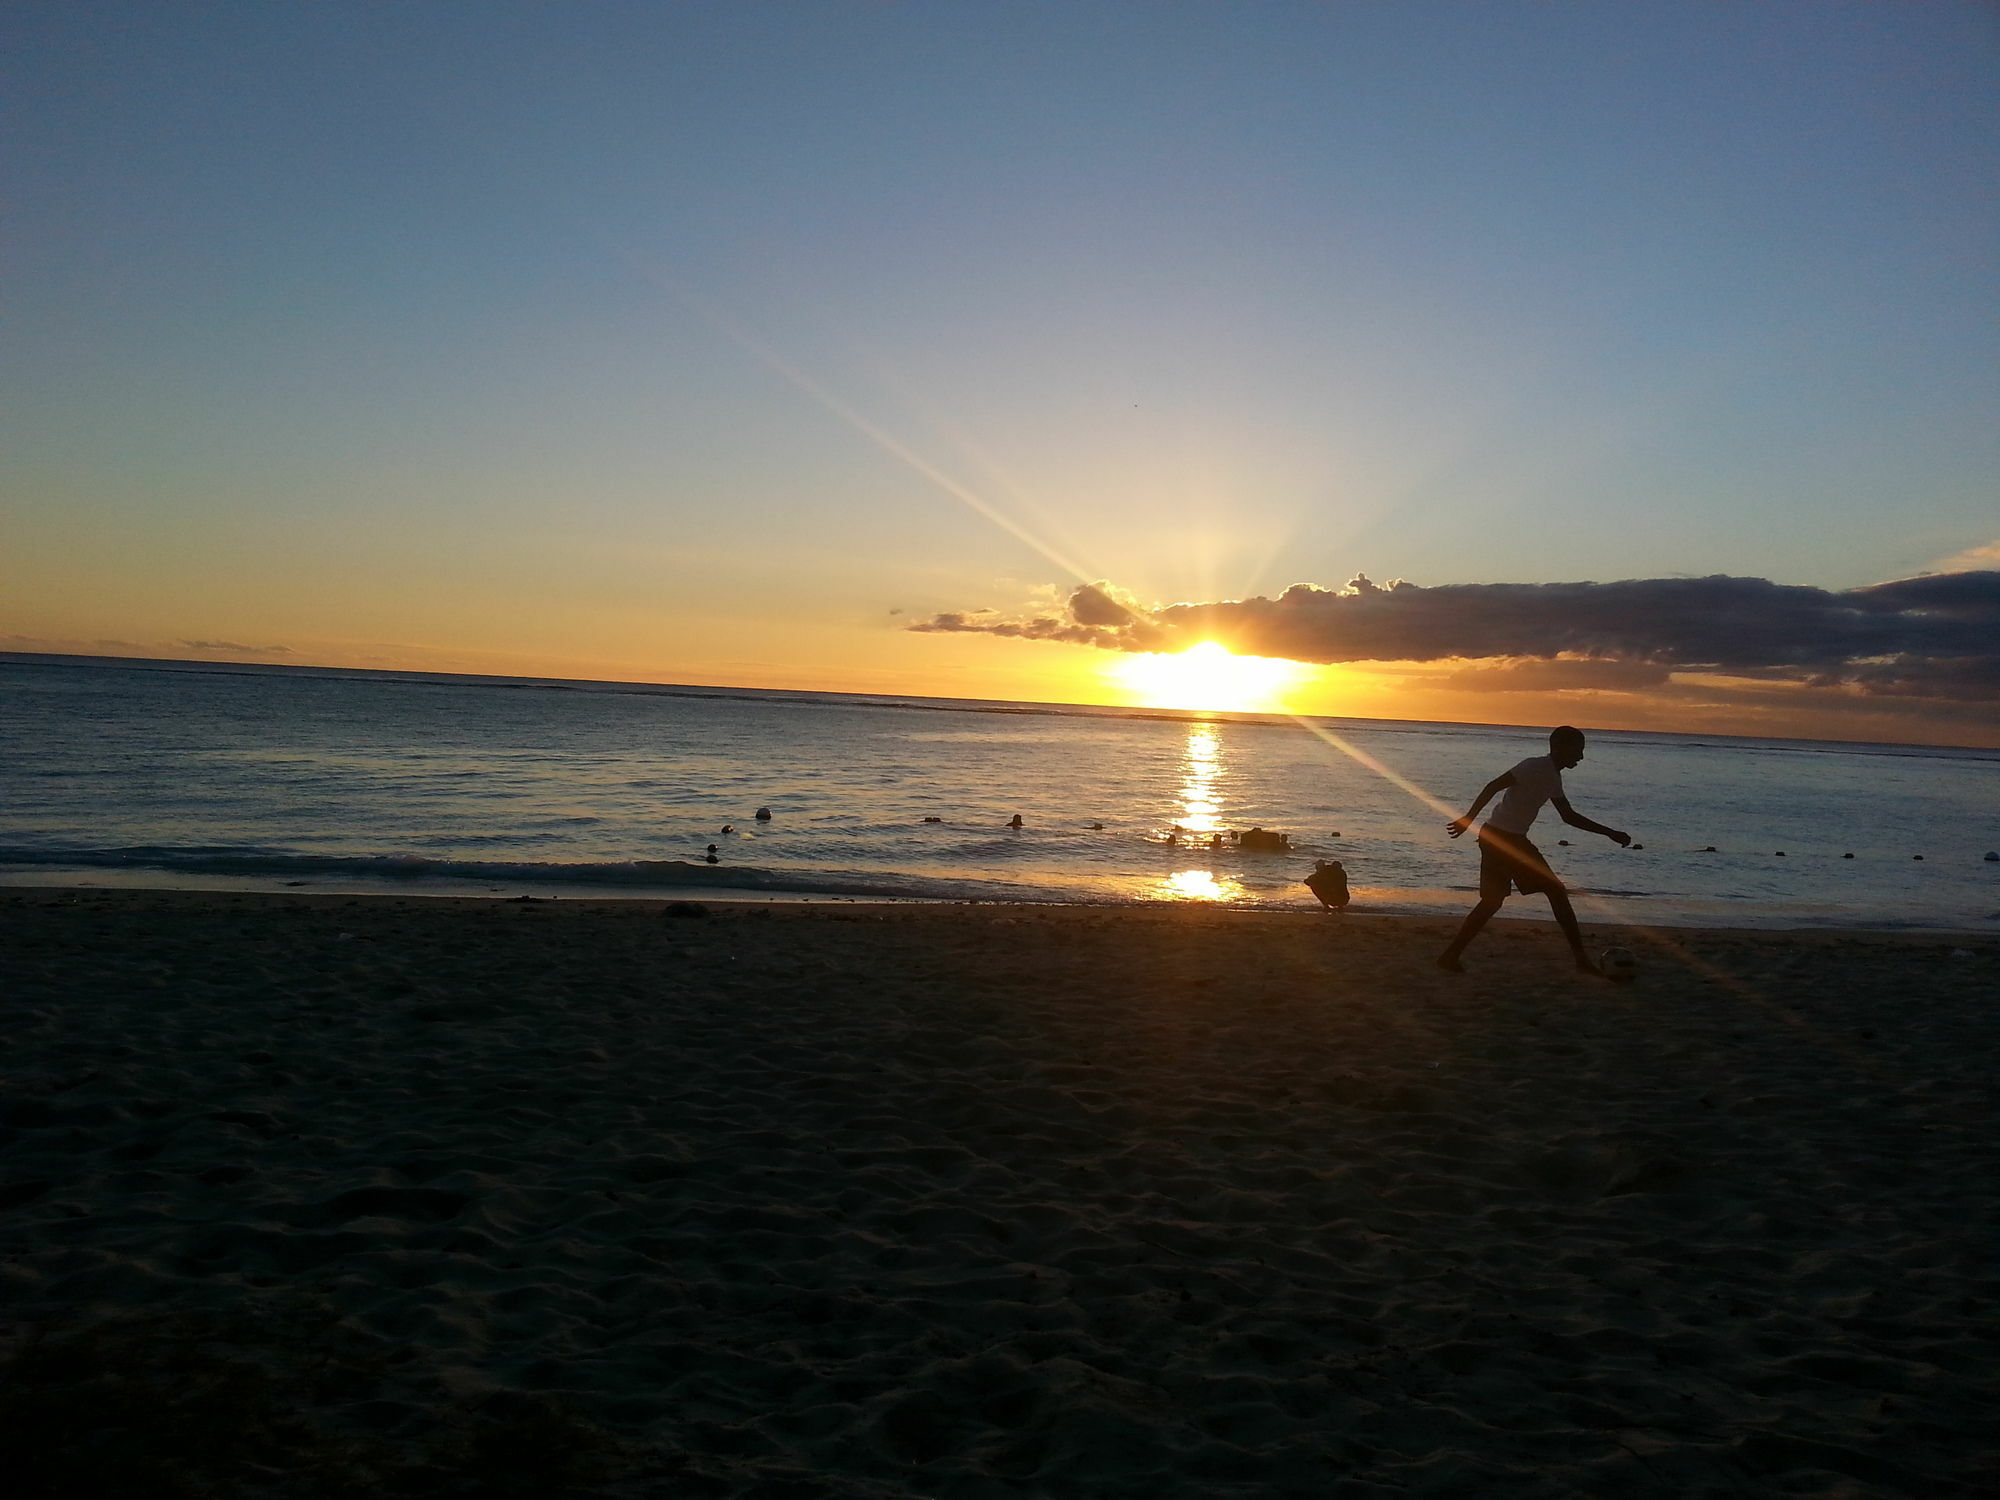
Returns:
(157, 774)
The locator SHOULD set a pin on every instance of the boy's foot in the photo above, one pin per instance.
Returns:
(1450, 964)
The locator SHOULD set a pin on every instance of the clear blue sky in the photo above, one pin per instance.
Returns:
(466, 328)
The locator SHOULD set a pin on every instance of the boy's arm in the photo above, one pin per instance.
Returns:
(1487, 793)
(1576, 819)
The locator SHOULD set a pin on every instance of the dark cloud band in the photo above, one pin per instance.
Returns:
(1936, 636)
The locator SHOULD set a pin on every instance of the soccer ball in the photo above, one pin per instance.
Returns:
(1618, 964)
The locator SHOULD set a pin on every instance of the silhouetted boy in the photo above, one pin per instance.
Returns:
(1507, 861)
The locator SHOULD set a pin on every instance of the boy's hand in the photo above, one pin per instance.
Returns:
(1619, 837)
(1457, 826)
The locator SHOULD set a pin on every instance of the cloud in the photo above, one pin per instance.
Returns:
(1556, 675)
(41, 645)
(147, 650)
(1102, 604)
(236, 648)
(1936, 635)
(1986, 555)
(1973, 679)
(1095, 614)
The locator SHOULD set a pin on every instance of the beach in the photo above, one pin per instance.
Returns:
(984, 1201)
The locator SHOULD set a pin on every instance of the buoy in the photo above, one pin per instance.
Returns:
(763, 815)
(933, 820)
(1781, 854)
(1916, 856)
(1335, 834)
(1993, 857)
(1635, 846)
(1847, 856)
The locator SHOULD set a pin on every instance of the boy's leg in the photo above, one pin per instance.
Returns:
(1475, 919)
(1566, 920)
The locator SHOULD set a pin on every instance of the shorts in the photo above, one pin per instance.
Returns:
(1508, 862)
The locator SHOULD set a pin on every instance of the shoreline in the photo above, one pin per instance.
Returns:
(1591, 910)
(916, 1200)
(1531, 915)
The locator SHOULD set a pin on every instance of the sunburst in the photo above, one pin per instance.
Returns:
(1208, 676)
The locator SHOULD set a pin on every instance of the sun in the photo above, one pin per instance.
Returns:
(1206, 676)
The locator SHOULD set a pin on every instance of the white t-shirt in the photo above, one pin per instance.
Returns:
(1536, 779)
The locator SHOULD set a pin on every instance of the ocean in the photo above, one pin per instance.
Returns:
(185, 774)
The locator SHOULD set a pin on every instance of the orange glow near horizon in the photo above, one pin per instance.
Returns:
(1208, 676)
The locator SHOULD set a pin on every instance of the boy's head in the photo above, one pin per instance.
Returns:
(1565, 746)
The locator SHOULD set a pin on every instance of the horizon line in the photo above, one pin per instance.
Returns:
(919, 702)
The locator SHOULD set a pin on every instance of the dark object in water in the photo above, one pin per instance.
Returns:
(1562, 843)
(1328, 881)
(1015, 822)
(1847, 856)
(763, 815)
(1916, 856)
(729, 828)
(1094, 825)
(1993, 857)
(1635, 846)
(1708, 848)
(683, 909)
(1264, 840)
(933, 820)
(1779, 855)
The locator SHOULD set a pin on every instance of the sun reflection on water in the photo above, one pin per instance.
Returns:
(1200, 816)
(1201, 770)
(1200, 885)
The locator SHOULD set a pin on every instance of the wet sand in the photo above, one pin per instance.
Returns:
(993, 1201)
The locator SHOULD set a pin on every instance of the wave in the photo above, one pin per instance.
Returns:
(403, 868)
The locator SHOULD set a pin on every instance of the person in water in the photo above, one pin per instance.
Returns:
(1508, 862)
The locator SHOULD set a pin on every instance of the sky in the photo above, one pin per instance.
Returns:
(841, 345)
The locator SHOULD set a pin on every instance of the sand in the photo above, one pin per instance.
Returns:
(326, 1195)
